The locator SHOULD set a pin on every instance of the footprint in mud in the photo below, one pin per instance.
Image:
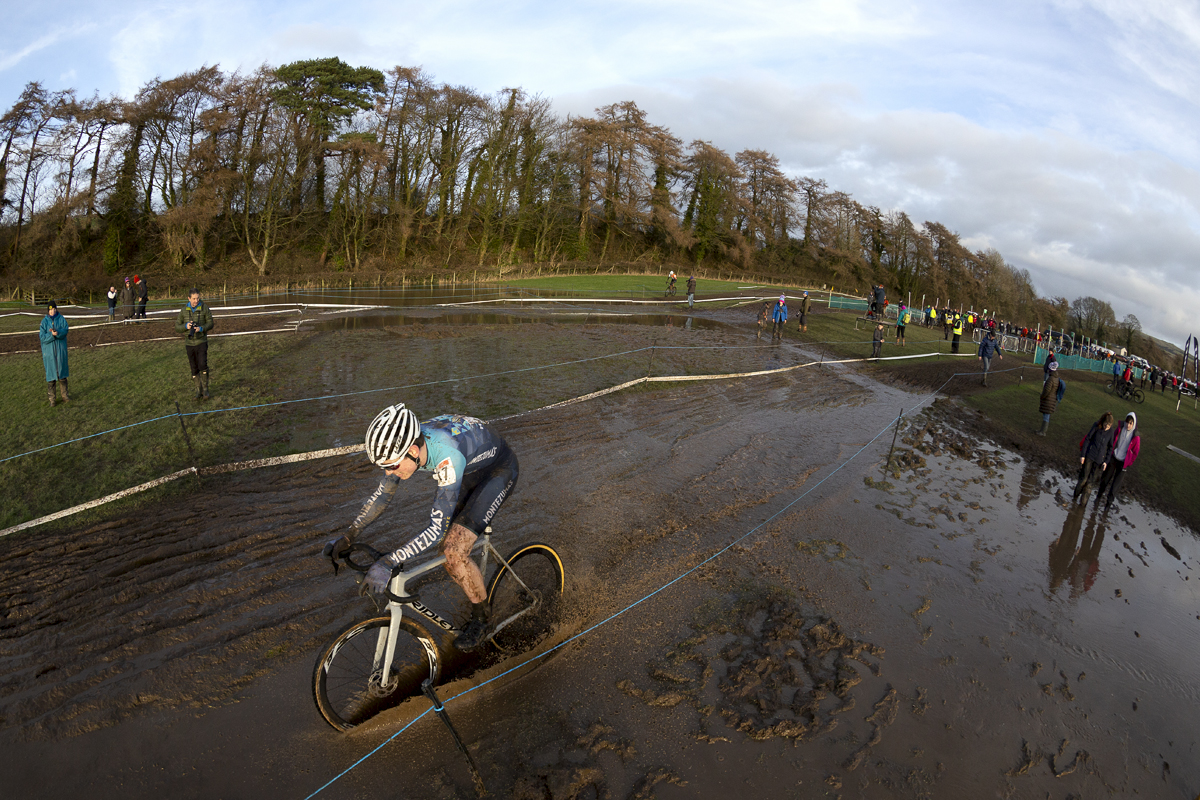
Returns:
(767, 667)
(574, 776)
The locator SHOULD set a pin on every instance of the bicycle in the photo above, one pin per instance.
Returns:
(670, 292)
(1125, 391)
(348, 677)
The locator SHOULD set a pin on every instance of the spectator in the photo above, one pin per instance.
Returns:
(778, 317)
(112, 303)
(763, 314)
(195, 320)
(877, 341)
(930, 317)
(1052, 392)
(1050, 365)
(805, 305)
(1163, 379)
(988, 348)
(958, 329)
(901, 321)
(53, 335)
(1125, 447)
(139, 288)
(691, 287)
(127, 301)
(1093, 454)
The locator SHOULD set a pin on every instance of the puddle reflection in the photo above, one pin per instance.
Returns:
(1072, 565)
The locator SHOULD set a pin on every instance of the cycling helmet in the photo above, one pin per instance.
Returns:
(391, 433)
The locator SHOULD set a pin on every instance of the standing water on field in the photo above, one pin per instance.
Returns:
(945, 624)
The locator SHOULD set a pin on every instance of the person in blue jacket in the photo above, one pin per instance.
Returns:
(53, 335)
(989, 348)
(778, 317)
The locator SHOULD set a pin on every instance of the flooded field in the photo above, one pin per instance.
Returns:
(944, 625)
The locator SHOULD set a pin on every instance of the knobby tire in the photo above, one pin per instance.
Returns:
(342, 675)
(541, 569)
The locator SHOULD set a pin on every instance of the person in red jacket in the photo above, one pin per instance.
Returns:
(1125, 446)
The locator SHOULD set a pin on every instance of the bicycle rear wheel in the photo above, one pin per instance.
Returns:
(346, 678)
(540, 569)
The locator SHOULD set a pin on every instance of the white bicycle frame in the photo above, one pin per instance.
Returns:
(385, 647)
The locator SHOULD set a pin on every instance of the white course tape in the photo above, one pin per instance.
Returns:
(358, 448)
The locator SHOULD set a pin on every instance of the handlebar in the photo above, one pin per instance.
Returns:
(375, 555)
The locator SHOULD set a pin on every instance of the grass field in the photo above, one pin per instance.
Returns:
(115, 387)
(112, 388)
(1164, 477)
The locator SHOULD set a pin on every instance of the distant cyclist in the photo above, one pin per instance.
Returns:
(475, 471)
(671, 279)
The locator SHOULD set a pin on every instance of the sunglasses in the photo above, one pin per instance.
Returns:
(396, 466)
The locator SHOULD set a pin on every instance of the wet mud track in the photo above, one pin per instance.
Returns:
(947, 627)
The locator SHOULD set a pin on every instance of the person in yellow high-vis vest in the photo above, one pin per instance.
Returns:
(958, 329)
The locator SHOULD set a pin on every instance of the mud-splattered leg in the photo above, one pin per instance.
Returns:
(456, 547)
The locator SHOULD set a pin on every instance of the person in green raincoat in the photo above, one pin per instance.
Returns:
(53, 334)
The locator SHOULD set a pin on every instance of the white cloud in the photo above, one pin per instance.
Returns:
(1062, 132)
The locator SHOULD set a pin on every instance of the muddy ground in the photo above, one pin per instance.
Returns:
(949, 627)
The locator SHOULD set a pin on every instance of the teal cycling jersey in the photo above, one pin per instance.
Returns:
(456, 446)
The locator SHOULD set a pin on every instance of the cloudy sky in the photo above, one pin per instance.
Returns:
(1065, 134)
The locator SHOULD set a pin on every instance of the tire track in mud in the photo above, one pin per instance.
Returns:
(183, 605)
(188, 601)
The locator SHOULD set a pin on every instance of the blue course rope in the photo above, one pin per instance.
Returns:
(657, 591)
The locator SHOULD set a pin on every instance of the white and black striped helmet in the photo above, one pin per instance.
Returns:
(390, 434)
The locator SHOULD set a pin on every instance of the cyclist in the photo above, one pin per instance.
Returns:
(671, 282)
(475, 471)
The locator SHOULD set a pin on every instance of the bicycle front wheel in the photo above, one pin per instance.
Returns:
(347, 679)
(525, 599)
(1108, 387)
(1139, 396)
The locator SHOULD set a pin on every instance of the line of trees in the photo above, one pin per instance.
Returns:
(321, 165)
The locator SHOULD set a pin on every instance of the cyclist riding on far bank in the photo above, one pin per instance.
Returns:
(475, 472)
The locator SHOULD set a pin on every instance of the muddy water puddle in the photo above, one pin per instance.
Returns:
(943, 628)
(386, 320)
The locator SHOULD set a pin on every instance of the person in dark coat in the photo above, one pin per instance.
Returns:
(1093, 454)
(1052, 392)
(53, 335)
(195, 320)
(112, 303)
(127, 298)
(877, 341)
(1125, 446)
(143, 296)
(805, 306)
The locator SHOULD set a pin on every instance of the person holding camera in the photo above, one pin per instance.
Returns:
(195, 321)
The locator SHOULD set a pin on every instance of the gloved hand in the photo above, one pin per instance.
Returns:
(379, 575)
(337, 547)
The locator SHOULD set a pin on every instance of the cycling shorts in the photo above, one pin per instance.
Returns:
(483, 493)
